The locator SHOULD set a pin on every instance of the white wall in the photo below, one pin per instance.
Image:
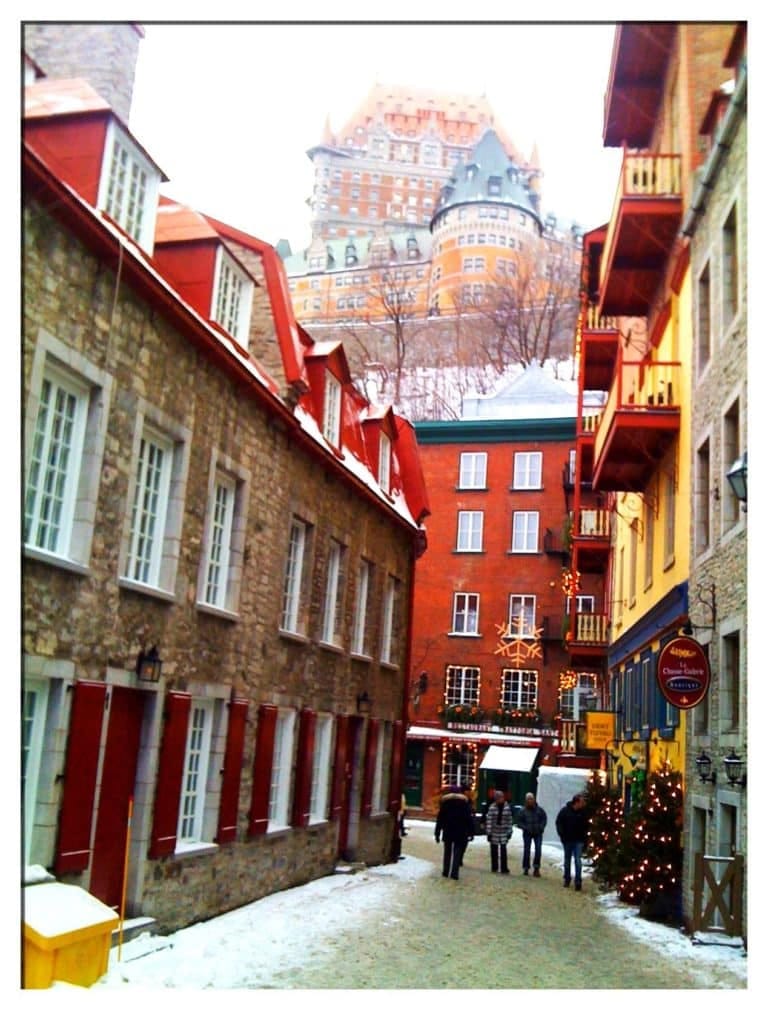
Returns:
(557, 786)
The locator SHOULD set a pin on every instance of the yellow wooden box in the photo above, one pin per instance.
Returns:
(67, 935)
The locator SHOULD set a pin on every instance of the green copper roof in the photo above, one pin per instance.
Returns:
(538, 429)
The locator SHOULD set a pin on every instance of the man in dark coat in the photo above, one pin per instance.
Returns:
(532, 819)
(498, 829)
(571, 825)
(455, 824)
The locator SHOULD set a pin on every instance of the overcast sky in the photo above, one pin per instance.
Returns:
(228, 110)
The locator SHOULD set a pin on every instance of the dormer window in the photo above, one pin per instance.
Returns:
(232, 295)
(385, 462)
(332, 409)
(129, 187)
(494, 186)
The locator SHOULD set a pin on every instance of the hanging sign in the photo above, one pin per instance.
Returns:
(683, 673)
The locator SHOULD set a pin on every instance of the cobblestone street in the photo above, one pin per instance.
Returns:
(487, 931)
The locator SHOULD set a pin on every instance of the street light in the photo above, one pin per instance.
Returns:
(737, 477)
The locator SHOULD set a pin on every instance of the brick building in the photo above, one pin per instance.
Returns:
(203, 486)
(491, 695)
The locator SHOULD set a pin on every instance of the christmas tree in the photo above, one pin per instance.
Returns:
(607, 846)
(655, 854)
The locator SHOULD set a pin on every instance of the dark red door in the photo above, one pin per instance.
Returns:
(354, 724)
(118, 779)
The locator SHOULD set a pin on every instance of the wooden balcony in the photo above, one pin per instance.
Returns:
(591, 539)
(588, 641)
(644, 224)
(640, 420)
(599, 348)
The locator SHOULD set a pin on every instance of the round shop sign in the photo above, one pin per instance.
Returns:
(683, 672)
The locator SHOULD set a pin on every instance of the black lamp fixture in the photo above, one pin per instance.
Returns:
(704, 768)
(149, 666)
(737, 477)
(734, 769)
(364, 703)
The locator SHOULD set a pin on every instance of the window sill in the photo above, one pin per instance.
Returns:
(361, 657)
(56, 560)
(194, 849)
(145, 590)
(225, 615)
(294, 636)
(331, 647)
(482, 490)
(464, 634)
(386, 665)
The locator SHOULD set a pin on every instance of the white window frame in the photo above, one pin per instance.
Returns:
(462, 685)
(232, 297)
(388, 619)
(528, 471)
(469, 533)
(365, 575)
(321, 769)
(383, 750)
(466, 618)
(521, 605)
(55, 363)
(33, 723)
(54, 465)
(149, 507)
(473, 469)
(520, 689)
(224, 537)
(293, 581)
(152, 567)
(282, 766)
(332, 409)
(385, 462)
(136, 217)
(194, 788)
(525, 532)
(334, 594)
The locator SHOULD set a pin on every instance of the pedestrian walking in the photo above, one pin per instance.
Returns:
(498, 829)
(401, 816)
(532, 819)
(571, 825)
(456, 827)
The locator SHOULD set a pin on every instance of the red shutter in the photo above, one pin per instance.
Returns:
(231, 772)
(396, 766)
(262, 769)
(369, 769)
(73, 847)
(302, 793)
(169, 774)
(339, 766)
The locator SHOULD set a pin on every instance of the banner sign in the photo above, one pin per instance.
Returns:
(683, 673)
(599, 729)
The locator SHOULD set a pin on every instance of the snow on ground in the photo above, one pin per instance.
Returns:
(297, 923)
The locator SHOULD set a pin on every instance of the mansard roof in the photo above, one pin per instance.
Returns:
(489, 175)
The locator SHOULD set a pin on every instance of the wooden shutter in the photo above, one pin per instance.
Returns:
(73, 847)
(169, 774)
(231, 772)
(302, 793)
(369, 768)
(339, 767)
(396, 766)
(262, 770)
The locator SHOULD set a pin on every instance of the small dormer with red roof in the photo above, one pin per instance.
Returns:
(380, 434)
(190, 252)
(329, 380)
(77, 134)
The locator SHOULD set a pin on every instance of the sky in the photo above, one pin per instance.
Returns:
(229, 952)
(229, 110)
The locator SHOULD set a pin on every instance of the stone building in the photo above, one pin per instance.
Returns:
(220, 534)
(716, 225)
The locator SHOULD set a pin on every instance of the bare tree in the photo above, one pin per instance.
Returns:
(528, 309)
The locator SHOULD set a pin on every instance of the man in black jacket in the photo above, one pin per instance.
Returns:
(532, 819)
(455, 824)
(571, 825)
